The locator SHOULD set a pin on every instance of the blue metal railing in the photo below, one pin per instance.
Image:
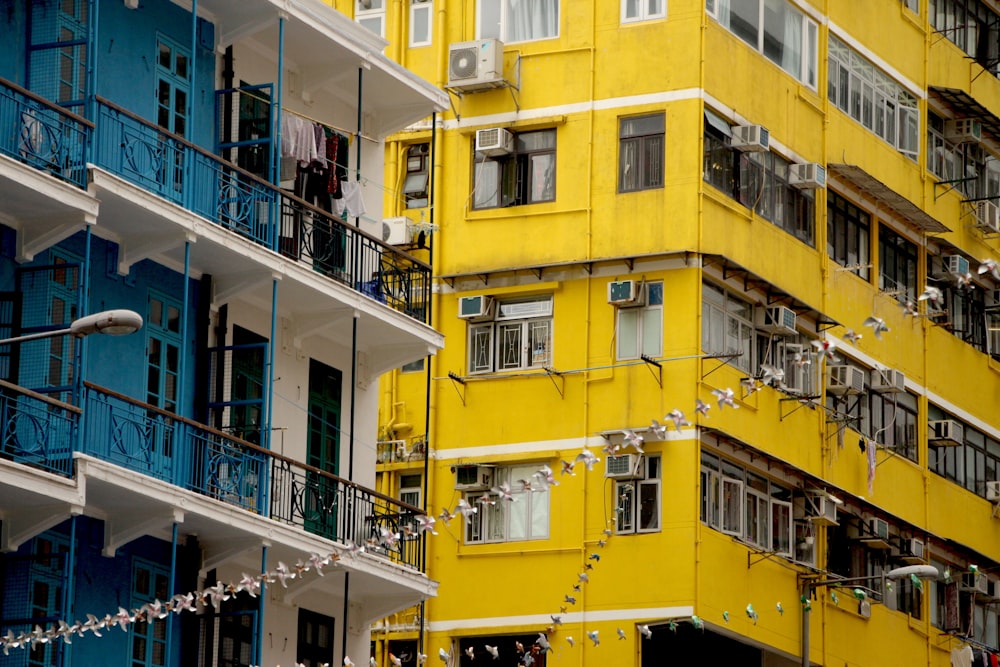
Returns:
(170, 166)
(42, 134)
(37, 430)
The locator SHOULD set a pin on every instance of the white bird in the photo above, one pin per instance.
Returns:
(494, 651)
(425, 523)
(678, 418)
(465, 509)
(528, 487)
(387, 538)
(852, 337)
(567, 467)
(592, 635)
(348, 662)
(545, 476)
(645, 631)
(658, 430)
(751, 385)
(772, 375)
(964, 281)
(371, 662)
(503, 492)
(621, 634)
(486, 499)
(825, 347)
(543, 642)
(933, 296)
(910, 309)
(725, 397)
(632, 439)
(444, 656)
(446, 516)
(877, 324)
(801, 359)
(569, 639)
(395, 660)
(583, 578)
(991, 266)
(471, 653)
(611, 448)
(587, 458)
(701, 407)
(282, 573)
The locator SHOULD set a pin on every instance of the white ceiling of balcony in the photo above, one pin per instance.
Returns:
(326, 50)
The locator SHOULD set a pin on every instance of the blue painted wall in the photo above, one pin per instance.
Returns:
(12, 27)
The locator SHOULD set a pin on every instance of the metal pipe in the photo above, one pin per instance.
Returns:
(172, 586)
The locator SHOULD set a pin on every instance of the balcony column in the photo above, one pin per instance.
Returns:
(261, 597)
(171, 589)
(84, 298)
(265, 436)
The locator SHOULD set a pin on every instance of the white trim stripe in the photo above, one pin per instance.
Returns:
(645, 614)
(594, 443)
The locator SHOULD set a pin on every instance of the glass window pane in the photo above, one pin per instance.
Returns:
(628, 321)
(541, 178)
(744, 20)
(489, 18)
(652, 332)
(487, 192)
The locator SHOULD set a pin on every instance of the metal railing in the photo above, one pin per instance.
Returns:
(37, 430)
(42, 134)
(208, 461)
(164, 163)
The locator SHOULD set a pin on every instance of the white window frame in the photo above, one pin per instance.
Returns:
(808, 34)
(629, 495)
(732, 515)
(367, 11)
(646, 335)
(643, 13)
(418, 7)
(722, 311)
(502, 9)
(493, 523)
(523, 318)
(417, 490)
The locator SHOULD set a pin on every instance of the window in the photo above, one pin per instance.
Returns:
(57, 58)
(520, 337)
(417, 175)
(411, 489)
(639, 500)
(971, 464)
(315, 643)
(643, 10)
(524, 518)
(640, 153)
(421, 17)
(371, 14)
(848, 230)
(758, 180)
(897, 265)
(894, 422)
(912, 5)
(868, 95)
(847, 555)
(173, 81)
(640, 330)
(150, 582)
(518, 20)
(966, 166)
(774, 28)
(727, 326)
(525, 176)
(511, 650)
(969, 24)
(163, 346)
(413, 366)
(742, 503)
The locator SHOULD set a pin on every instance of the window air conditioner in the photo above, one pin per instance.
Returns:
(888, 381)
(494, 142)
(993, 491)
(776, 320)
(877, 536)
(974, 582)
(822, 510)
(475, 65)
(911, 551)
(625, 466)
(477, 308)
(963, 130)
(624, 293)
(751, 138)
(807, 176)
(945, 432)
(473, 478)
(954, 265)
(845, 379)
(987, 217)
(396, 231)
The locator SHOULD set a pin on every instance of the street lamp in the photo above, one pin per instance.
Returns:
(110, 322)
(810, 585)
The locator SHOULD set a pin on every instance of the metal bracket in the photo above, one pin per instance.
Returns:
(658, 373)
(455, 381)
(552, 375)
(803, 401)
(725, 360)
(951, 186)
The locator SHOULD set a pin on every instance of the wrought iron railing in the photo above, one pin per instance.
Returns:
(37, 430)
(141, 437)
(140, 152)
(42, 134)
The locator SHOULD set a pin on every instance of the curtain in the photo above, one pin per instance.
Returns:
(791, 52)
(531, 19)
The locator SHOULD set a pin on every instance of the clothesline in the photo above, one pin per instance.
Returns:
(352, 133)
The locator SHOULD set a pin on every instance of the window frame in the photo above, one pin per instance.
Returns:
(725, 312)
(484, 337)
(482, 526)
(847, 224)
(648, 315)
(501, 12)
(643, 13)
(630, 499)
(416, 7)
(513, 174)
(901, 277)
(638, 137)
(365, 15)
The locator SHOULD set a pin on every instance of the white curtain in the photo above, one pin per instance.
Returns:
(722, 12)
(791, 52)
(531, 19)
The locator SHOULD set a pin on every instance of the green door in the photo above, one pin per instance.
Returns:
(321, 499)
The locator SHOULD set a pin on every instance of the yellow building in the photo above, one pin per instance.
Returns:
(784, 209)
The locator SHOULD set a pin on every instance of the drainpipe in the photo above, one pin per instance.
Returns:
(346, 623)
(69, 594)
(260, 607)
(172, 586)
(265, 435)
(354, 384)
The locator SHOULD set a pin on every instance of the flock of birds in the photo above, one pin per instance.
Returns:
(540, 481)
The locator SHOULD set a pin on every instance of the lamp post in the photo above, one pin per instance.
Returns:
(110, 322)
(810, 585)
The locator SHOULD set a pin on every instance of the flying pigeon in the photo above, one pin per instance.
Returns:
(633, 440)
(933, 296)
(645, 631)
(910, 309)
(425, 522)
(751, 385)
(825, 347)
(465, 509)
(725, 397)
(852, 337)
(588, 458)
(701, 407)
(486, 499)
(545, 476)
(781, 610)
(964, 281)
(492, 650)
(991, 266)
(471, 653)
(725, 616)
(556, 620)
(752, 613)
(570, 599)
(595, 556)
(543, 642)
(772, 375)
(677, 417)
(567, 468)
(621, 634)
(503, 492)
(571, 641)
(592, 636)
(446, 516)
(398, 662)
(877, 324)
(658, 430)
(444, 656)
(348, 662)
(584, 578)
(672, 625)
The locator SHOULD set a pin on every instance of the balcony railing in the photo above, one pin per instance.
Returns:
(42, 134)
(146, 439)
(37, 430)
(179, 171)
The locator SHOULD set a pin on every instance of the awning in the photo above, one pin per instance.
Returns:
(888, 197)
(966, 106)
(718, 123)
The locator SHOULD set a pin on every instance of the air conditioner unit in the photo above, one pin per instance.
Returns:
(993, 491)
(473, 478)
(494, 141)
(396, 231)
(822, 510)
(974, 582)
(776, 320)
(888, 381)
(845, 379)
(751, 138)
(987, 217)
(992, 588)
(477, 308)
(799, 378)
(911, 551)
(807, 176)
(624, 293)
(963, 130)
(945, 432)
(625, 466)
(476, 65)
(954, 265)
(877, 535)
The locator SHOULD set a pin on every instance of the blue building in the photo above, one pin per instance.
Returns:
(215, 166)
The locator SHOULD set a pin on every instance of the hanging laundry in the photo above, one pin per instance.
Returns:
(354, 202)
